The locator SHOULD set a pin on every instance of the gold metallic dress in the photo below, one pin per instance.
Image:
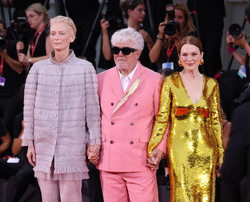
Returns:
(194, 144)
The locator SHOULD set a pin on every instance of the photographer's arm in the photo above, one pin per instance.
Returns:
(16, 146)
(155, 52)
(238, 57)
(15, 65)
(6, 142)
(106, 49)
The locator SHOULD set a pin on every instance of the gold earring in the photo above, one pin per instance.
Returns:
(179, 63)
(202, 61)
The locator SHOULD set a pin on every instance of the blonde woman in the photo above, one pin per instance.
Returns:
(61, 115)
(39, 47)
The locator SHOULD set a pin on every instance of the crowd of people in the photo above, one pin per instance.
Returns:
(155, 107)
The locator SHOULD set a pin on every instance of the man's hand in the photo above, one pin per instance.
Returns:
(155, 159)
(93, 153)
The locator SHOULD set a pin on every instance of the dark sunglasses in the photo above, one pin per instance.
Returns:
(125, 51)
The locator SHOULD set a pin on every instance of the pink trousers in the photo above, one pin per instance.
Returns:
(129, 186)
(66, 190)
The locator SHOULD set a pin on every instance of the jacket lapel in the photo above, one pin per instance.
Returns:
(124, 98)
(115, 83)
(138, 72)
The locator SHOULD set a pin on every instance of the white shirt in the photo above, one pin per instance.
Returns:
(125, 80)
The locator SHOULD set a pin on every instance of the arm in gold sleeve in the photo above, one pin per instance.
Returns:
(216, 123)
(161, 119)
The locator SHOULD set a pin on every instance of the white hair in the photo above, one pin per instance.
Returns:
(128, 35)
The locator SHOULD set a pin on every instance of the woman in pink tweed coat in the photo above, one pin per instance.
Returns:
(61, 115)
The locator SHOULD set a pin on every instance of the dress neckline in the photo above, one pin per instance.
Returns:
(203, 83)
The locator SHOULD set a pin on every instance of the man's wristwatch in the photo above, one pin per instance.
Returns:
(29, 60)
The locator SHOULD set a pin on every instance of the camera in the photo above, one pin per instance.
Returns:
(170, 11)
(245, 95)
(114, 23)
(236, 31)
(172, 25)
(2, 44)
(20, 25)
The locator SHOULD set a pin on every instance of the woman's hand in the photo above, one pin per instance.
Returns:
(31, 155)
(155, 159)
(19, 46)
(23, 59)
(161, 28)
(93, 153)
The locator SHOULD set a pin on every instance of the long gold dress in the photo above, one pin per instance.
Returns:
(194, 144)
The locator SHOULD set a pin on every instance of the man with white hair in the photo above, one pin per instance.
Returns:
(129, 97)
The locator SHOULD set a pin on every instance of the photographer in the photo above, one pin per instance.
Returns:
(11, 78)
(241, 42)
(134, 11)
(177, 25)
(39, 47)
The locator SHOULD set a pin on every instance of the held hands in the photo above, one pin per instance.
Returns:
(155, 159)
(93, 153)
(31, 155)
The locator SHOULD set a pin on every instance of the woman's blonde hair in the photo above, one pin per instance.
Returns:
(40, 9)
(63, 19)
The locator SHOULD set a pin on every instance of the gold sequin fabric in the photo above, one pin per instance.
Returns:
(194, 144)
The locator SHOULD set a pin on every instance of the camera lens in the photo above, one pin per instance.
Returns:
(170, 29)
(2, 44)
(236, 31)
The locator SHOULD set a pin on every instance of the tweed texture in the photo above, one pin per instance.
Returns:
(61, 115)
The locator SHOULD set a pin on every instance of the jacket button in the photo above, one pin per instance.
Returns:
(112, 123)
(131, 142)
(136, 104)
(132, 123)
(112, 103)
(111, 142)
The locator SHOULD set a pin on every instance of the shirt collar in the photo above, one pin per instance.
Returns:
(130, 75)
